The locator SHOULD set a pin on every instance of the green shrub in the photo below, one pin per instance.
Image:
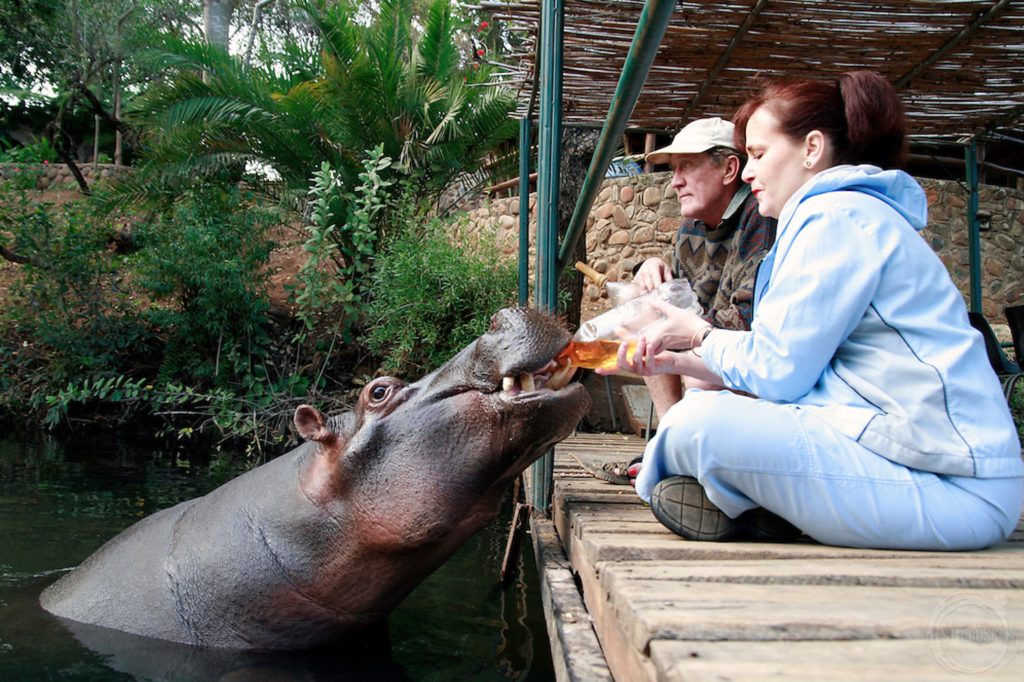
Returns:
(40, 152)
(70, 305)
(434, 291)
(204, 265)
(333, 279)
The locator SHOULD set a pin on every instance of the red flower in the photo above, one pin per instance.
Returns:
(483, 25)
(480, 52)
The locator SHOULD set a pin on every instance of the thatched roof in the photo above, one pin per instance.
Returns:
(958, 64)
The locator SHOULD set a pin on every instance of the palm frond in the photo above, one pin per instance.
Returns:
(356, 86)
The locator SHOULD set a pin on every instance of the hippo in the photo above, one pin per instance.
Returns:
(326, 540)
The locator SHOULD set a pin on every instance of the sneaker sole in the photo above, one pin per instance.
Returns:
(682, 506)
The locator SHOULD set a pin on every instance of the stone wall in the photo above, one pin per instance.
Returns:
(1002, 240)
(54, 175)
(636, 217)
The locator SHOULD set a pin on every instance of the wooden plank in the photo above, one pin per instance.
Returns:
(625, 661)
(849, 661)
(727, 611)
(955, 572)
(614, 450)
(664, 546)
(639, 410)
(576, 652)
(665, 608)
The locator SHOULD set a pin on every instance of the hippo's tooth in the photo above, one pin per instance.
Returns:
(508, 383)
(526, 381)
(561, 377)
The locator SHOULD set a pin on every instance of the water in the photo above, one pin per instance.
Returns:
(60, 501)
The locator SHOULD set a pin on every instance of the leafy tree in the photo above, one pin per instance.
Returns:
(329, 96)
(68, 59)
(27, 29)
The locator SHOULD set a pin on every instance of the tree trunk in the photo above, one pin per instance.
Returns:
(256, 12)
(217, 22)
(578, 147)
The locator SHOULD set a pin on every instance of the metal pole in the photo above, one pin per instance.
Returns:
(549, 154)
(649, 31)
(548, 162)
(973, 228)
(524, 211)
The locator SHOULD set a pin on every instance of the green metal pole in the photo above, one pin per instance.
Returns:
(649, 31)
(548, 162)
(973, 228)
(524, 211)
(549, 154)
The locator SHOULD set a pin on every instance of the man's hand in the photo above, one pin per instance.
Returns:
(651, 274)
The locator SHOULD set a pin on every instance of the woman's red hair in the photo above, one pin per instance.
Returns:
(860, 114)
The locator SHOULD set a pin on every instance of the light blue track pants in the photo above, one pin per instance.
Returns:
(753, 453)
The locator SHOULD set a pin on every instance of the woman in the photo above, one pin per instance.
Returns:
(879, 422)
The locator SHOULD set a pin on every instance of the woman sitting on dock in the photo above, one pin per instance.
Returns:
(879, 422)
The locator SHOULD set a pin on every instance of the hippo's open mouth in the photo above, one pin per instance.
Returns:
(555, 375)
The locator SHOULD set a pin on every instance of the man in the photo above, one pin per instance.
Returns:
(720, 244)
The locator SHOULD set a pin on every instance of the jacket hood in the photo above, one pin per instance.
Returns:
(896, 188)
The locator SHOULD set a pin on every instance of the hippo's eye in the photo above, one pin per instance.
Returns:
(381, 391)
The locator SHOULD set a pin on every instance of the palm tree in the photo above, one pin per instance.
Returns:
(331, 95)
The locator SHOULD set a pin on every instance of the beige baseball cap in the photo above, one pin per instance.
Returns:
(698, 136)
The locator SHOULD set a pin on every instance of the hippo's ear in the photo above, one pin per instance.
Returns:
(312, 425)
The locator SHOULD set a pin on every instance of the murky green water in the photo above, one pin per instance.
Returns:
(60, 501)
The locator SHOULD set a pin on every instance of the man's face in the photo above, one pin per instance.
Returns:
(704, 190)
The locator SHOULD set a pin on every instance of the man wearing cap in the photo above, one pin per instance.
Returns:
(720, 243)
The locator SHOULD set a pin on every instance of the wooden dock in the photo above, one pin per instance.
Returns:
(629, 601)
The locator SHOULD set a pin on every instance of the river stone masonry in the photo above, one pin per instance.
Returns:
(634, 218)
(53, 176)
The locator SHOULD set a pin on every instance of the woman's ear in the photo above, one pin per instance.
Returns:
(815, 150)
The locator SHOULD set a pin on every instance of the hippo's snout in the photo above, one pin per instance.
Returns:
(517, 338)
(519, 348)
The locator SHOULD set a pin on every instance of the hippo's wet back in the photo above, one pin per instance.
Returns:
(328, 538)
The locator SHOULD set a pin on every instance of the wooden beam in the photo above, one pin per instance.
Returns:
(508, 184)
(648, 148)
(737, 38)
(992, 12)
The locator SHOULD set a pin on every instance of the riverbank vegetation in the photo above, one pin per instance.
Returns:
(148, 300)
(326, 132)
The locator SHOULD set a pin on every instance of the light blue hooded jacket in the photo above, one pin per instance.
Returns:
(856, 319)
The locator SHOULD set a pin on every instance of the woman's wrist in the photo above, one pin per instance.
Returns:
(697, 340)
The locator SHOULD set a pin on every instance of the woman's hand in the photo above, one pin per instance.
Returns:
(655, 350)
(642, 362)
(676, 331)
